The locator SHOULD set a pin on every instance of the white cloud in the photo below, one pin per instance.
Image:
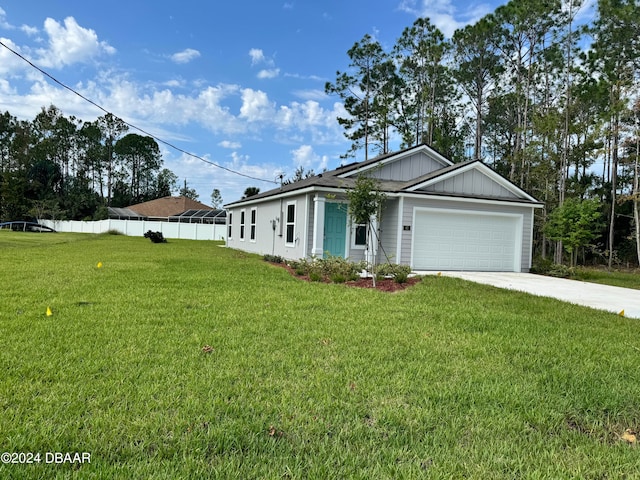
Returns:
(304, 115)
(256, 106)
(185, 56)
(305, 157)
(31, 31)
(70, 43)
(174, 83)
(8, 61)
(229, 144)
(305, 77)
(444, 15)
(587, 12)
(272, 73)
(257, 56)
(3, 21)
(314, 94)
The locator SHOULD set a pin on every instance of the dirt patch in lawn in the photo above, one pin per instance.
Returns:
(384, 285)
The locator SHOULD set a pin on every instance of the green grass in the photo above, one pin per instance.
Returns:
(448, 379)
(627, 279)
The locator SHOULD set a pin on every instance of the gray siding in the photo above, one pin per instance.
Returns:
(268, 240)
(471, 182)
(407, 168)
(389, 232)
(407, 219)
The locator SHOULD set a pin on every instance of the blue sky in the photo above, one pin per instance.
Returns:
(238, 83)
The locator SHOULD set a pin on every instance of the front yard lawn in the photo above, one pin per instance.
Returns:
(187, 360)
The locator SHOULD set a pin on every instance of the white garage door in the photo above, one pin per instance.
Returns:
(454, 240)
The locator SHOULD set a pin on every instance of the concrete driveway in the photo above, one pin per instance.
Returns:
(602, 297)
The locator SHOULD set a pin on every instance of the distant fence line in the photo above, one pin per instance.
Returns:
(137, 228)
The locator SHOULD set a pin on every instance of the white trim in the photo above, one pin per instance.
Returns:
(243, 225)
(230, 226)
(482, 168)
(352, 234)
(317, 248)
(529, 260)
(519, 217)
(448, 198)
(400, 216)
(305, 231)
(287, 223)
(253, 224)
(406, 193)
(292, 193)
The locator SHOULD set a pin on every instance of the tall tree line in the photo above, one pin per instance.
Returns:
(547, 101)
(65, 168)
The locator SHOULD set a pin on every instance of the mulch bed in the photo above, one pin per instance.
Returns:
(385, 285)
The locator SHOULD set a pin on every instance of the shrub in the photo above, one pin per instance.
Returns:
(273, 258)
(546, 266)
(339, 266)
(400, 273)
(335, 269)
(155, 237)
(315, 277)
(541, 265)
(338, 278)
(560, 271)
(401, 277)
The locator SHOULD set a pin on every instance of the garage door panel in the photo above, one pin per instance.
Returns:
(446, 240)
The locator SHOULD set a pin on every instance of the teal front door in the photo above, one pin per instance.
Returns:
(335, 229)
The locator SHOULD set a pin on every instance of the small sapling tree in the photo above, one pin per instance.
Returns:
(365, 207)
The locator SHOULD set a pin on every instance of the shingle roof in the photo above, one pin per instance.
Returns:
(334, 179)
(167, 206)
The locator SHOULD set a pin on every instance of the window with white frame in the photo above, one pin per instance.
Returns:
(290, 224)
(229, 224)
(242, 219)
(252, 225)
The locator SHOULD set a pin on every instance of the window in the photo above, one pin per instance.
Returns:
(229, 225)
(290, 224)
(252, 225)
(242, 212)
(359, 235)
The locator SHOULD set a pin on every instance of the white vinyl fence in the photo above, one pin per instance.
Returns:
(137, 228)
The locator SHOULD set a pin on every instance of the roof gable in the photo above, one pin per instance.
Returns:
(418, 169)
(470, 178)
(400, 166)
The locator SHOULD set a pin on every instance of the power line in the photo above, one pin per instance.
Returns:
(158, 139)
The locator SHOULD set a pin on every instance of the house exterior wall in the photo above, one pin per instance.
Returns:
(407, 168)
(471, 182)
(267, 239)
(389, 232)
(409, 203)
